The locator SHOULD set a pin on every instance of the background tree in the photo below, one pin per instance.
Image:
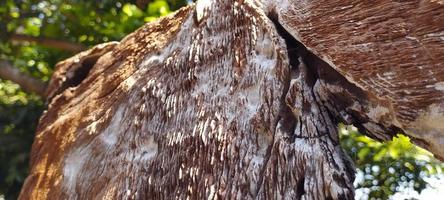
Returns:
(38, 34)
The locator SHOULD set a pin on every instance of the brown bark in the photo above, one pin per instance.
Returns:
(71, 72)
(26, 82)
(390, 49)
(215, 101)
(49, 42)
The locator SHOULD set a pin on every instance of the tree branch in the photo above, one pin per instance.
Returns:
(49, 42)
(26, 82)
(141, 4)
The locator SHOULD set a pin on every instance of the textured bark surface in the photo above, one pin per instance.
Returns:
(217, 101)
(393, 50)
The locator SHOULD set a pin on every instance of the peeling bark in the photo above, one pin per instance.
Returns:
(204, 105)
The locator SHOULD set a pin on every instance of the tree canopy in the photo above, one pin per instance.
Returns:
(38, 34)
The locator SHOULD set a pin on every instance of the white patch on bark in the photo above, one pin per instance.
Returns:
(439, 35)
(438, 86)
(129, 82)
(201, 7)
(147, 150)
(377, 112)
(153, 59)
(110, 134)
(429, 126)
(212, 192)
(334, 88)
(92, 128)
(73, 164)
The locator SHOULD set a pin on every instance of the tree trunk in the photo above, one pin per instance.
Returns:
(220, 101)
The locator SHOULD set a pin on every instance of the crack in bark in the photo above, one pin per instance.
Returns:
(313, 114)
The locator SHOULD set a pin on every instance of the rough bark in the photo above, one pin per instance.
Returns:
(218, 100)
(71, 72)
(393, 50)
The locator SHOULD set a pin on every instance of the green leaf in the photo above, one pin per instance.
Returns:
(132, 10)
(158, 8)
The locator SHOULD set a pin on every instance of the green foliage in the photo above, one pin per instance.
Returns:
(19, 114)
(385, 168)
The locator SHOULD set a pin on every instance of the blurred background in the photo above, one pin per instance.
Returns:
(36, 34)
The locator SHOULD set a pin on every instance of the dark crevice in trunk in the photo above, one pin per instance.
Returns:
(76, 74)
(339, 105)
(305, 119)
(300, 188)
(286, 120)
(79, 74)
